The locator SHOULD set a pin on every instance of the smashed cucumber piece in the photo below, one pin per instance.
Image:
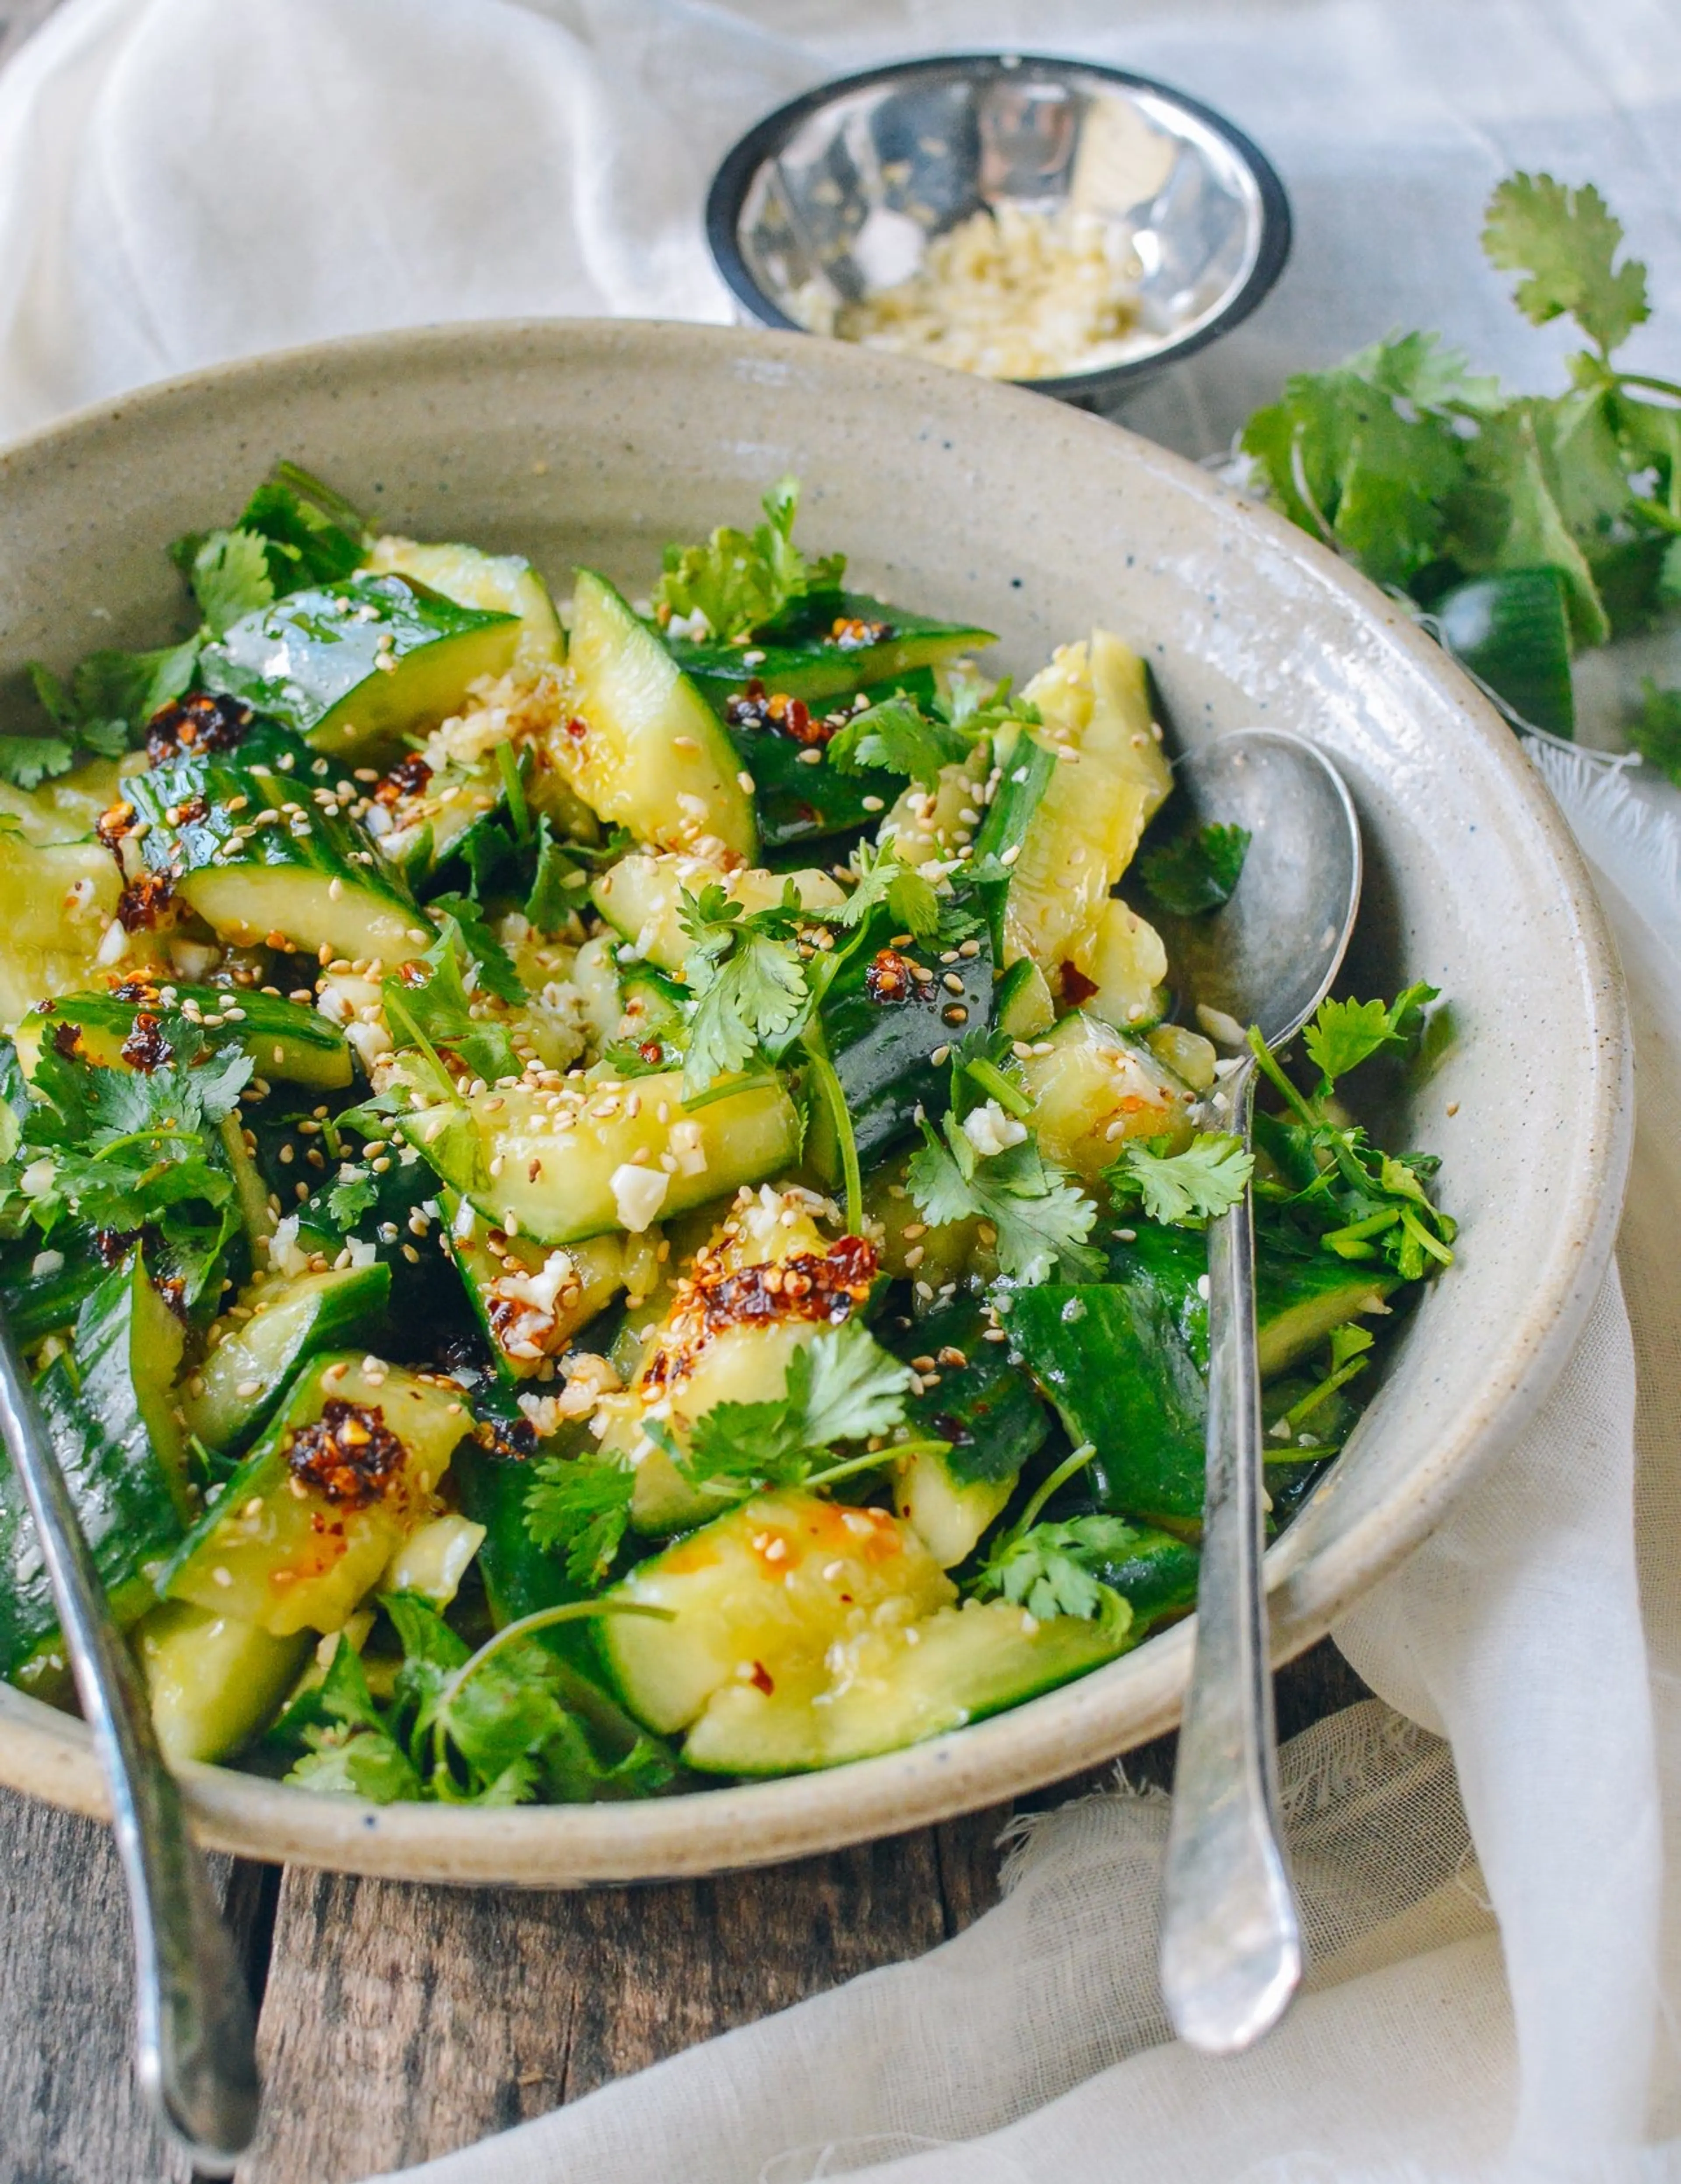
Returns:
(212, 1680)
(805, 1634)
(240, 1382)
(285, 1039)
(57, 902)
(643, 748)
(495, 583)
(641, 897)
(314, 659)
(835, 643)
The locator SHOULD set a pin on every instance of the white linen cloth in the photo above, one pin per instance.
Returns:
(1495, 1919)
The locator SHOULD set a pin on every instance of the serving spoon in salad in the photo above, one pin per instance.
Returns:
(1231, 1935)
(195, 2039)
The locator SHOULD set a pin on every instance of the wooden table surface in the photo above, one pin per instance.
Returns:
(454, 2013)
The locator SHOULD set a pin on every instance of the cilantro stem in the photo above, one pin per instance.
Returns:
(253, 1201)
(1064, 1472)
(1275, 1076)
(834, 1099)
(726, 1088)
(1327, 1387)
(992, 1080)
(1421, 1236)
(1653, 386)
(573, 1611)
(398, 1008)
(508, 765)
(872, 1457)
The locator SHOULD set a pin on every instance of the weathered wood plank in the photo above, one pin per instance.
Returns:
(454, 2014)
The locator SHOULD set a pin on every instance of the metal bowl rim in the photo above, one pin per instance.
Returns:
(750, 153)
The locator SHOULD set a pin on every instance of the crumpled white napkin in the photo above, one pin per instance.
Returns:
(186, 179)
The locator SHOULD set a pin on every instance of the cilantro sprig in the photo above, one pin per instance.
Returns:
(1196, 872)
(1187, 1189)
(1041, 1216)
(740, 583)
(1051, 1569)
(745, 970)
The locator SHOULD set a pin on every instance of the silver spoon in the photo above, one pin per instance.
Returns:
(1231, 1936)
(195, 2040)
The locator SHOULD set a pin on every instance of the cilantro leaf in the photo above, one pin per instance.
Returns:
(748, 977)
(111, 695)
(230, 578)
(740, 583)
(1184, 1189)
(841, 1386)
(496, 973)
(429, 998)
(311, 534)
(580, 1506)
(1041, 1214)
(1655, 731)
(1345, 1034)
(350, 1198)
(1050, 1570)
(25, 761)
(1566, 242)
(1196, 872)
(896, 736)
(549, 903)
(884, 879)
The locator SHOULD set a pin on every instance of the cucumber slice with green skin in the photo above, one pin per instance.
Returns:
(39, 1305)
(796, 794)
(881, 1027)
(811, 663)
(1513, 631)
(285, 1039)
(306, 1525)
(311, 661)
(495, 583)
(503, 1150)
(991, 1415)
(1126, 1361)
(235, 1390)
(214, 1682)
(57, 901)
(764, 1662)
(642, 898)
(109, 1419)
(310, 873)
(644, 750)
(1155, 1575)
(529, 1301)
(1109, 782)
(655, 1015)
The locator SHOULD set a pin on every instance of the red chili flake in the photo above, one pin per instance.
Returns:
(752, 707)
(652, 1052)
(349, 1454)
(577, 728)
(190, 813)
(407, 777)
(141, 990)
(144, 902)
(198, 723)
(1077, 988)
(760, 1679)
(173, 1291)
(511, 1440)
(66, 1039)
(852, 634)
(716, 1296)
(889, 977)
(112, 1243)
(146, 1047)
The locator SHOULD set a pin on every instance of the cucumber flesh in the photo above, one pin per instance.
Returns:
(1125, 965)
(212, 1681)
(947, 1515)
(311, 661)
(495, 583)
(645, 749)
(606, 1171)
(641, 897)
(298, 1536)
(57, 902)
(529, 1301)
(67, 810)
(1095, 1089)
(243, 1377)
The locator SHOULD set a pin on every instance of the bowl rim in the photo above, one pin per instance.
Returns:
(727, 194)
(49, 1754)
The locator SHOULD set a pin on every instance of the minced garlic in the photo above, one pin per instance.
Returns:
(1012, 293)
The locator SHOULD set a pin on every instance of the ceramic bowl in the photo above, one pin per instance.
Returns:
(835, 196)
(598, 441)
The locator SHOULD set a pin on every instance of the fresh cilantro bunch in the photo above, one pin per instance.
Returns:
(1196, 872)
(1427, 476)
(494, 1728)
(132, 1152)
(740, 583)
(748, 977)
(1187, 1189)
(841, 1387)
(1052, 1569)
(1338, 1192)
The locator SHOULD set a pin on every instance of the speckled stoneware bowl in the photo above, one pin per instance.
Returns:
(600, 441)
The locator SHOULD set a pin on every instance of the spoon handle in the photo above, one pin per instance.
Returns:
(195, 2043)
(1231, 1938)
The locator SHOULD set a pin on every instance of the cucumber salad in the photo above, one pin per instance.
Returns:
(604, 1200)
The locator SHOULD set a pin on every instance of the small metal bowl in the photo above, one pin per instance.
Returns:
(834, 196)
